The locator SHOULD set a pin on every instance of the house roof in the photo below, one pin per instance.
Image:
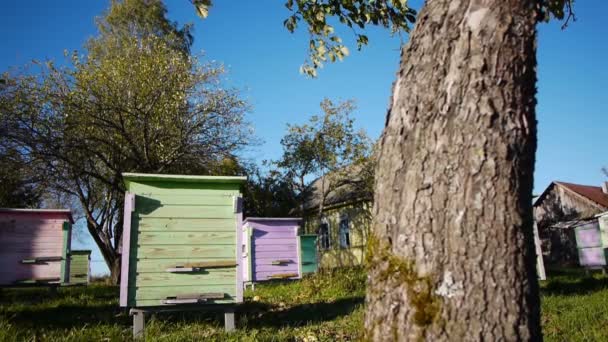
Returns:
(592, 193)
(344, 189)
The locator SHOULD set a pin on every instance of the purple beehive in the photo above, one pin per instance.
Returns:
(591, 252)
(270, 249)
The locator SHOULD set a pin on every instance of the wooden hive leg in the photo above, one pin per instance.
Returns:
(229, 319)
(139, 324)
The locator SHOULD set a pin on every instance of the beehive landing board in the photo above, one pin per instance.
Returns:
(175, 223)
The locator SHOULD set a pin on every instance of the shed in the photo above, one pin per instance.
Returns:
(271, 248)
(34, 246)
(308, 253)
(80, 267)
(558, 210)
(179, 242)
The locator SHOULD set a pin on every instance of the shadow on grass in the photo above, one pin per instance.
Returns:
(259, 315)
(576, 282)
(37, 308)
(68, 316)
(303, 314)
(37, 295)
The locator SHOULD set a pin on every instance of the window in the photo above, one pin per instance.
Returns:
(324, 235)
(344, 232)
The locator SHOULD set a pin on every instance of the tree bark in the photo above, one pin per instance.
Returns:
(109, 253)
(115, 268)
(452, 252)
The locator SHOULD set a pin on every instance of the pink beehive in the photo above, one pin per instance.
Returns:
(35, 246)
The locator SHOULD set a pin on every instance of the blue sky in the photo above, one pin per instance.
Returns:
(263, 60)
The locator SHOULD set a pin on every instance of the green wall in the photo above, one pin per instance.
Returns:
(177, 224)
(308, 253)
(80, 267)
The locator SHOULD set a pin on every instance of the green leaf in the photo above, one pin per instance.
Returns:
(344, 50)
(202, 7)
(289, 5)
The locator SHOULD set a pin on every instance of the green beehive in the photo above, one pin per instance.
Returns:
(308, 253)
(181, 233)
(80, 267)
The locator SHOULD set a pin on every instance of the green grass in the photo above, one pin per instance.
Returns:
(324, 307)
(575, 306)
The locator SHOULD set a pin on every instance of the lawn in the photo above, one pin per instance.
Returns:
(325, 307)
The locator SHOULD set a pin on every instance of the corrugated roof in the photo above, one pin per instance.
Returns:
(593, 193)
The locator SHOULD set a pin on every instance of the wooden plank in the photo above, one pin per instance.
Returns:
(277, 241)
(38, 281)
(157, 302)
(10, 274)
(189, 212)
(273, 235)
(212, 264)
(186, 225)
(161, 292)
(32, 245)
(209, 277)
(200, 295)
(269, 261)
(34, 237)
(229, 325)
(282, 275)
(275, 229)
(199, 266)
(239, 251)
(150, 189)
(273, 254)
(29, 222)
(185, 251)
(186, 238)
(183, 199)
(139, 325)
(65, 250)
(160, 265)
(126, 249)
(276, 248)
(277, 268)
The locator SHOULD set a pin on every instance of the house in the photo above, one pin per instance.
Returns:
(559, 210)
(338, 210)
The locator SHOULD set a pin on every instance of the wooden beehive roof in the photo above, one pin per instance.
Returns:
(66, 212)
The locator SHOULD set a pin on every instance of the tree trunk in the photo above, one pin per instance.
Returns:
(115, 271)
(109, 253)
(452, 251)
